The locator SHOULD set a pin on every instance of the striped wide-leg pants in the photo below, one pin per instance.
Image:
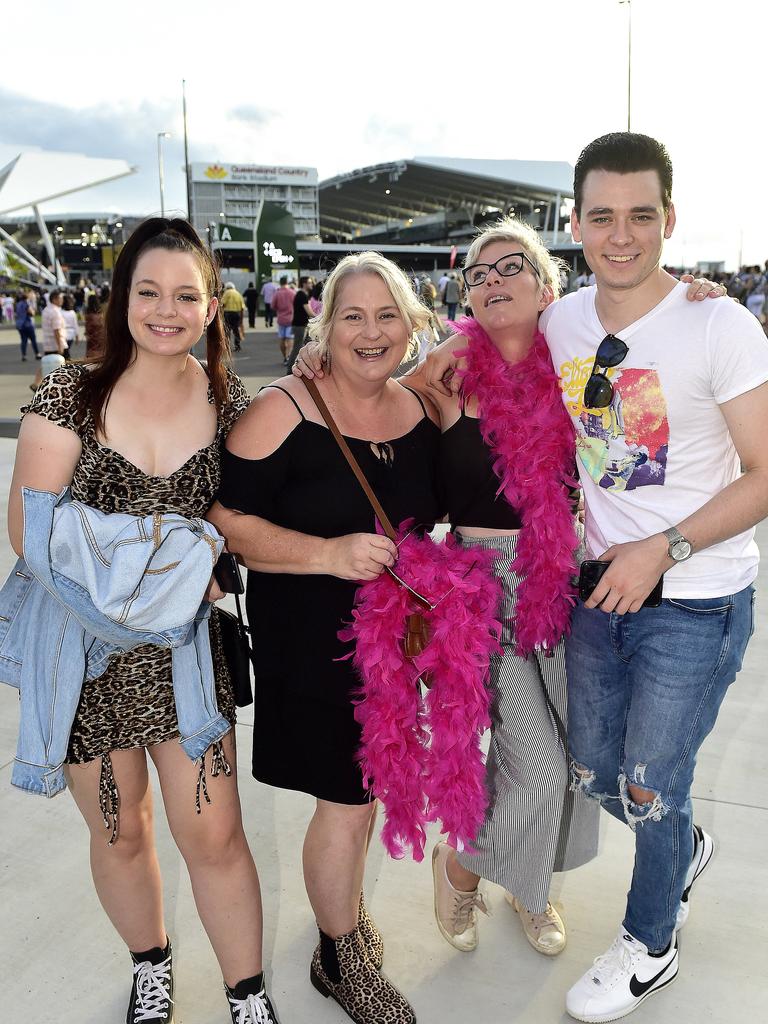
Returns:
(534, 824)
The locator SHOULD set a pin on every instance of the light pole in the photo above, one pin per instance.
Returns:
(186, 150)
(160, 137)
(629, 63)
(57, 247)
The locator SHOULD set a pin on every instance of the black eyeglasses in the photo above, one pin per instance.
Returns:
(507, 266)
(598, 391)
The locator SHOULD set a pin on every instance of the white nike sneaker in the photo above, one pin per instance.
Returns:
(703, 852)
(620, 980)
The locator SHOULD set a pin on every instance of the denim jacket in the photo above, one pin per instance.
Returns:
(90, 586)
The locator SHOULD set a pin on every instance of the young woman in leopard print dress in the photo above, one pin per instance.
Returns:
(139, 431)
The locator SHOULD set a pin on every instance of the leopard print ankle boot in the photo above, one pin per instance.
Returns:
(374, 944)
(341, 969)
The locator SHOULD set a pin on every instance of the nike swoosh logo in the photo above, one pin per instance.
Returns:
(639, 988)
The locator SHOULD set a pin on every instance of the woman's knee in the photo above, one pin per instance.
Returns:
(347, 819)
(134, 806)
(135, 833)
(555, 778)
(215, 843)
(542, 768)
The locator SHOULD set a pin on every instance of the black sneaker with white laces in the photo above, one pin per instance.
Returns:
(249, 1002)
(703, 852)
(152, 993)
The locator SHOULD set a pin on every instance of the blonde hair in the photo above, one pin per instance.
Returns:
(509, 229)
(415, 314)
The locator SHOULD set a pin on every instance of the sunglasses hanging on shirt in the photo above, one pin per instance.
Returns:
(598, 391)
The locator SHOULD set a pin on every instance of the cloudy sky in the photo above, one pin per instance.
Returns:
(337, 84)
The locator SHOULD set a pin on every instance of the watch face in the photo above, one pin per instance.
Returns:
(680, 550)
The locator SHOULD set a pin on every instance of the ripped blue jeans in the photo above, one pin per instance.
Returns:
(644, 690)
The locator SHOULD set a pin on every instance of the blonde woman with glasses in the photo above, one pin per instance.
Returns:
(506, 468)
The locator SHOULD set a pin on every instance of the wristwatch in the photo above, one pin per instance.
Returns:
(679, 548)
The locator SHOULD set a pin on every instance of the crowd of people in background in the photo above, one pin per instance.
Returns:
(293, 303)
(74, 315)
(748, 285)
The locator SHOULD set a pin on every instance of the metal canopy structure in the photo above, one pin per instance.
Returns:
(34, 178)
(441, 199)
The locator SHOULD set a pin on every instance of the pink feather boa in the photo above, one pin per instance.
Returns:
(421, 756)
(524, 423)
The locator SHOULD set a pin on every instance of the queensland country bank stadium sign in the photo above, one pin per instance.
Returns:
(253, 174)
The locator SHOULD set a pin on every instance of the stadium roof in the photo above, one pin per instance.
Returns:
(64, 218)
(546, 175)
(427, 185)
(33, 178)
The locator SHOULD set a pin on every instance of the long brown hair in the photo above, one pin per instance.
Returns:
(118, 348)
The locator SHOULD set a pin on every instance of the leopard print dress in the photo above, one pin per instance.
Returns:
(132, 705)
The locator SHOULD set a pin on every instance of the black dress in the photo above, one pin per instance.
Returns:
(305, 736)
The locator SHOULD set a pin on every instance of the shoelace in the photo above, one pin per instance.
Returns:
(616, 960)
(463, 907)
(540, 921)
(252, 1009)
(153, 982)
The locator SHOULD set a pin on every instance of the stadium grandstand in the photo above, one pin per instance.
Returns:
(422, 212)
(442, 201)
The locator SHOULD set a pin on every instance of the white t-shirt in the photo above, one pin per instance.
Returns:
(51, 321)
(70, 324)
(662, 449)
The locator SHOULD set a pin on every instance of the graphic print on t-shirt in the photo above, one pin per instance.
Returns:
(626, 445)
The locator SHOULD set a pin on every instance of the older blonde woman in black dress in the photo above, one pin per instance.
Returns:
(292, 509)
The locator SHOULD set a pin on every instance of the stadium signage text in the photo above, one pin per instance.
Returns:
(254, 174)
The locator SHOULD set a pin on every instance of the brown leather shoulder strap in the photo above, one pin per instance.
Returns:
(381, 515)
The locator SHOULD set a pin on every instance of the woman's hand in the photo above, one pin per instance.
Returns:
(359, 556)
(441, 364)
(702, 288)
(308, 362)
(214, 591)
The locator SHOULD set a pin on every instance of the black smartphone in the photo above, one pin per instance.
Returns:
(591, 572)
(227, 573)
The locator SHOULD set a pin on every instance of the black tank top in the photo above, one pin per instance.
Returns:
(307, 485)
(468, 482)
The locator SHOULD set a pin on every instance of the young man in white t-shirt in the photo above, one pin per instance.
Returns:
(668, 399)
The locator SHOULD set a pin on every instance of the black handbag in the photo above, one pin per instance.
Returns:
(237, 652)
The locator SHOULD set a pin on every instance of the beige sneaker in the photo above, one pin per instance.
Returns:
(545, 932)
(455, 911)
